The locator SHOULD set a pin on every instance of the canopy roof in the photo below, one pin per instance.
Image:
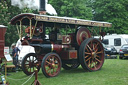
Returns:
(26, 17)
(2, 26)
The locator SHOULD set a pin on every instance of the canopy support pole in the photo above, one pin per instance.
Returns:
(30, 29)
(18, 30)
(21, 30)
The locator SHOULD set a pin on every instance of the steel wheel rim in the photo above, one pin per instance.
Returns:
(94, 55)
(31, 64)
(52, 65)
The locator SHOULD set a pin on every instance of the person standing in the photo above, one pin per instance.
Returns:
(15, 54)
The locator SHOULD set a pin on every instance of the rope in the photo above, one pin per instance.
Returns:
(28, 79)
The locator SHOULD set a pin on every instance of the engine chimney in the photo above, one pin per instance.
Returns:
(42, 9)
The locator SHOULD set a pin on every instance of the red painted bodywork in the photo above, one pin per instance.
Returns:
(2, 41)
(70, 54)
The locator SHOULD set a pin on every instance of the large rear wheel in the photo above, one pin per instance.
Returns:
(51, 65)
(91, 54)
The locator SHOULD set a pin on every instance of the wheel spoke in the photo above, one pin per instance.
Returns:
(96, 45)
(47, 70)
(53, 69)
(95, 62)
(96, 50)
(50, 71)
(35, 60)
(30, 69)
(89, 63)
(48, 59)
(89, 48)
(36, 64)
(57, 64)
(99, 52)
(98, 60)
(94, 65)
(48, 62)
(87, 53)
(97, 56)
(53, 59)
(29, 58)
(86, 56)
(88, 59)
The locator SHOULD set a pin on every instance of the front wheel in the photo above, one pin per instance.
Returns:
(51, 65)
(30, 63)
(91, 54)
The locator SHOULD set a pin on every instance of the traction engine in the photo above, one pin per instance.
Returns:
(69, 50)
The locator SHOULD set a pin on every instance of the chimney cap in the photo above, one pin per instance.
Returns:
(42, 12)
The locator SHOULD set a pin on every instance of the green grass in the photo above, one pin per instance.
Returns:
(113, 72)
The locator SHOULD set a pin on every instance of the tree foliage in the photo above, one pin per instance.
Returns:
(6, 13)
(72, 8)
(114, 11)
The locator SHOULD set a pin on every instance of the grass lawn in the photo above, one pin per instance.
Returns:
(113, 72)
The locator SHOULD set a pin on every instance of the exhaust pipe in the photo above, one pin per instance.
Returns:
(42, 9)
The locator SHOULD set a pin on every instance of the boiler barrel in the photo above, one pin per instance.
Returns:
(46, 48)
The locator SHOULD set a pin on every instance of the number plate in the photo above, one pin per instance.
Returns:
(125, 54)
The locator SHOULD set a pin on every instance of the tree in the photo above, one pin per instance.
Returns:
(113, 11)
(7, 12)
(72, 8)
(5, 17)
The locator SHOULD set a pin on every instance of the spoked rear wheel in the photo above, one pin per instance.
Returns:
(51, 65)
(91, 54)
(30, 63)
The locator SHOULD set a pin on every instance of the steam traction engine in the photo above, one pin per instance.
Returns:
(67, 50)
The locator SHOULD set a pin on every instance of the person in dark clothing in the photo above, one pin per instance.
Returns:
(15, 55)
